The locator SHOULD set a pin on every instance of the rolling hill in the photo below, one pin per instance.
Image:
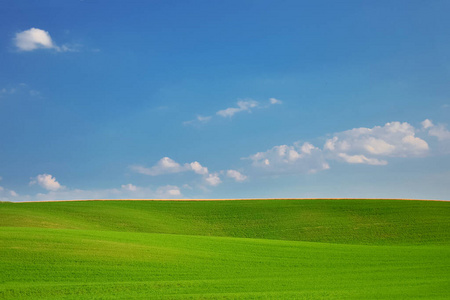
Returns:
(260, 249)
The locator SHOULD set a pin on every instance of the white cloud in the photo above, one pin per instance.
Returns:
(129, 187)
(48, 182)
(275, 101)
(439, 131)
(35, 38)
(361, 159)
(198, 168)
(236, 175)
(6, 194)
(427, 124)
(356, 146)
(165, 165)
(198, 120)
(243, 105)
(284, 159)
(168, 191)
(213, 179)
(127, 191)
(394, 139)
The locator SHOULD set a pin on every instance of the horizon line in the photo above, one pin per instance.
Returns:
(226, 199)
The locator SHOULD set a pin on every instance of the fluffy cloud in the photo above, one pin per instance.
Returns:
(363, 145)
(168, 191)
(35, 38)
(197, 168)
(370, 146)
(275, 101)
(236, 175)
(47, 181)
(439, 131)
(284, 159)
(361, 159)
(213, 179)
(129, 187)
(167, 165)
(243, 105)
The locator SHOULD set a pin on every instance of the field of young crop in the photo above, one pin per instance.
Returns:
(260, 249)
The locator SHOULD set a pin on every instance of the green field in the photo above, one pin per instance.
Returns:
(260, 249)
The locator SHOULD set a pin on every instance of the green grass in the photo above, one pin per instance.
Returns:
(271, 249)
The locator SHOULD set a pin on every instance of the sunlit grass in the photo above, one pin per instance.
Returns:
(224, 250)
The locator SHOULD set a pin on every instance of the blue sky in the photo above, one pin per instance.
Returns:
(224, 99)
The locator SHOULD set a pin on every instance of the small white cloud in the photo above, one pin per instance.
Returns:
(197, 168)
(198, 120)
(236, 175)
(7, 195)
(35, 38)
(165, 165)
(48, 182)
(439, 131)
(168, 191)
(361, 159)
(285, 159)
(275, 101)
(129, 187)
(213, 179)
(243, 105)
(427, 124)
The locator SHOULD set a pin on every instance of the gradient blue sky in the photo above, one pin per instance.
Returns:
(224, 99)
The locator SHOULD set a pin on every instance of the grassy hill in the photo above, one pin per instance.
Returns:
(268, 249)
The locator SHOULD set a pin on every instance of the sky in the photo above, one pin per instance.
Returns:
(224, 99)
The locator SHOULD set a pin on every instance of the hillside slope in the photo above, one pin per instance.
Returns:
(337, 221)
(271, 249)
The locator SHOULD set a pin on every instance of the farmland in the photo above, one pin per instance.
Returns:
(261, 249)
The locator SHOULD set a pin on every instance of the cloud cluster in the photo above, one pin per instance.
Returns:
(55, 191)
(284, 159)
(243, 105)
(47, 181)
(372, 146)
(35, 38)
(167, 165)
(246, 105)
(236, 175)
(6, 194)
(438, 131)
